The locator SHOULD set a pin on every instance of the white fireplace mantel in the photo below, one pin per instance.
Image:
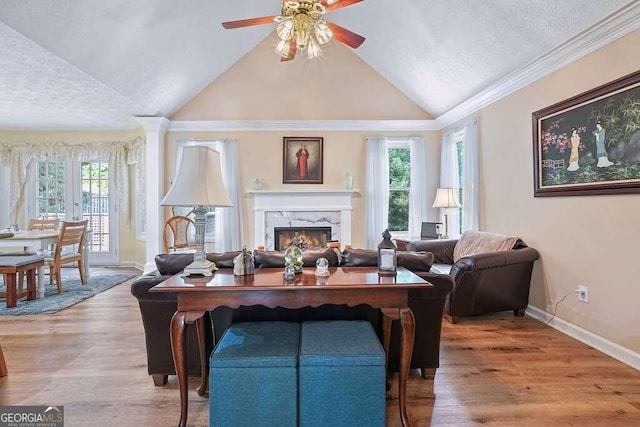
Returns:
(309, 200)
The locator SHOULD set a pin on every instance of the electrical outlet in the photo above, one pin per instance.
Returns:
(583, 293)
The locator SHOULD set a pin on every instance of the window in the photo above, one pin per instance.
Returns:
(399, 183)
(51, 190)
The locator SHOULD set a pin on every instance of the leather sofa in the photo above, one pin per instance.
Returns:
(484, 282)
(158, 308)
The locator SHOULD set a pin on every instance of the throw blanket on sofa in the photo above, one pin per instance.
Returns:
(479, 242)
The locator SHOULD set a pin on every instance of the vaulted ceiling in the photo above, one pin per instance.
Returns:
(83, 64)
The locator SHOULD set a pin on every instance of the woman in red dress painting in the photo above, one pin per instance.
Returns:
(301, 166)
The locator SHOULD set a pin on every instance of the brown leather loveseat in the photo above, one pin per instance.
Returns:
(158, 308)
(486, 282)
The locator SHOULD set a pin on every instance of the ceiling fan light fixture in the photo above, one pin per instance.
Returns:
(303, 26)
(283, 48)
(323, 32)
(292, 5)
(313, 49)
(286, 29)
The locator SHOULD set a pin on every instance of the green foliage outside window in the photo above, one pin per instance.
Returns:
(399, 182)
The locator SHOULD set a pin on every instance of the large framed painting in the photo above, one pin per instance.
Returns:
(302, 160)
(590, 144)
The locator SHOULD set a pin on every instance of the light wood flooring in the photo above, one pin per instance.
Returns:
(496, 370)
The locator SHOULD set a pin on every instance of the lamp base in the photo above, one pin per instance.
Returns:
(203, 268)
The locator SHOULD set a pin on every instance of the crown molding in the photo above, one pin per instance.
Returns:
(611, 28)
(152, 123)
(302, 125)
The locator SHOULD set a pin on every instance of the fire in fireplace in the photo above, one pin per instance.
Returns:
(313, 237)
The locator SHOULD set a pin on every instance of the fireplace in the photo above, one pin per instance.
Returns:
(301, 208)
(312, 237)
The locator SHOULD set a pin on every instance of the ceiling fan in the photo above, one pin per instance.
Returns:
(300, 26)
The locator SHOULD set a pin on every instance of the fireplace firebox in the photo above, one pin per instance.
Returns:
(311, 237)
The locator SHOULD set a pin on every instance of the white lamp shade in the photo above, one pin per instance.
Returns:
(446, 198)
(198, 181)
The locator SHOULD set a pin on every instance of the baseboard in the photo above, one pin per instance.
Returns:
(125, 264)
(618, 352)
(132, 264)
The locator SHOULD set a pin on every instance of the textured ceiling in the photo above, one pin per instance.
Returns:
(80, 64)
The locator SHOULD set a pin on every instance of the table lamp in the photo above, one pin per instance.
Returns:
(198, 184)
(446, 198)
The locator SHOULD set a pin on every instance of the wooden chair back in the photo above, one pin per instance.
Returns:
(72, 235)
(176, 233)
(43, 224)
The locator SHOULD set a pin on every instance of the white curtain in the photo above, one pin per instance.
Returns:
(20, 155)
(470, 178)
(449, 179)
(418, 203)
(376, 190)
(229, 232)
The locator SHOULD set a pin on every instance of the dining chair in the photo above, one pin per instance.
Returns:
(69, 248)
(43, 224)
(37, 224)
(177, 234)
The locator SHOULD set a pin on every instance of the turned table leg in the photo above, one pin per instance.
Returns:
(178, 345)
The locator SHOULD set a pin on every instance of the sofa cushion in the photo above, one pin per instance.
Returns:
(414, 261)
(271, 259)
(479, 242)
(174, 263)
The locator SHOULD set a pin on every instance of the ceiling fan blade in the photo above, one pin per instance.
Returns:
(248, 22)
(339, 4)
(347, 37)
(293, 48)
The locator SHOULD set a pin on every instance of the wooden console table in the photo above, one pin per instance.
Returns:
(347, 285)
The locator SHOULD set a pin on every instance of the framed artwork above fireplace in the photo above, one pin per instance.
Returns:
(302, 160)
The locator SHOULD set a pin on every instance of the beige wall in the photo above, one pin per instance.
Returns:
(338, 86)
(130, 249)
(589, 240)
(260, 155)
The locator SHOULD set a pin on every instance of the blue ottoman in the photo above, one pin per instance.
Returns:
(341, 377)
(253, 377)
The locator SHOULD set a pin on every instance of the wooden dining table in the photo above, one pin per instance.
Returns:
(349, 286)
(31, 242)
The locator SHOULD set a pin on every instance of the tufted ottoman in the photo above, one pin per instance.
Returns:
(253, 377)
(341, 375)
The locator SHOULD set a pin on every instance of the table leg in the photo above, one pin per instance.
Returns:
(31, 284)
(178, 345)
(408, 333)
(204, 363)
(41, 282)
(10, 284)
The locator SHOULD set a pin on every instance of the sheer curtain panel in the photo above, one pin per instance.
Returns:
(376, 190)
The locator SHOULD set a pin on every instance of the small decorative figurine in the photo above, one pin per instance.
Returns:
(289, 273)
(243, 263)
(322, 267)
(293, 257)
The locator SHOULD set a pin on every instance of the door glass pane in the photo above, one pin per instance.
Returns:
(95, 203)
(50, 185)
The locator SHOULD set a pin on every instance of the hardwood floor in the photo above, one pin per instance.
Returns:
(497, 370)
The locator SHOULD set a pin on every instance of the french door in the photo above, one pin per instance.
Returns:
(71, 190)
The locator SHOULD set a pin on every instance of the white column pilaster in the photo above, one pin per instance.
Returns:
(155, 128)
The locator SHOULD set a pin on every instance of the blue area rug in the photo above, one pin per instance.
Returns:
(73, 292)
